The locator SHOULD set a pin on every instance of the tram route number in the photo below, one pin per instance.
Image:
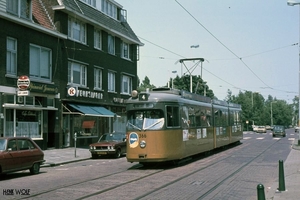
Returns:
(142, 135)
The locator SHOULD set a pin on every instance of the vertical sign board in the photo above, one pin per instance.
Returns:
(23, 84)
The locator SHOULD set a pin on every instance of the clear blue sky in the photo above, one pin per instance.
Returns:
(247, 45)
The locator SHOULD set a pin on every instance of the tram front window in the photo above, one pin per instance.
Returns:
(145, 120)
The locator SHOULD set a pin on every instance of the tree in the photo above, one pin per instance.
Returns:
(145, 85)
(198, 85)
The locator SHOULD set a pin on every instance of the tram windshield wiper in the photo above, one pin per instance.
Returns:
(153, 124)
(134, 126)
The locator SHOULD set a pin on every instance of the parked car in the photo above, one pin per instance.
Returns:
(113, 144)
(268, 127)
(254, 128)
(20, 153)
(261, 129)
(278, 130)
(296, 129)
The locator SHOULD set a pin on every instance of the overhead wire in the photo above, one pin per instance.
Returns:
(222, 44)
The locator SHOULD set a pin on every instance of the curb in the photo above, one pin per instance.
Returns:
(61, 163)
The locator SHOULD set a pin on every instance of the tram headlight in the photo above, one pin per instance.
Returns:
(134, 94)
(143, 144)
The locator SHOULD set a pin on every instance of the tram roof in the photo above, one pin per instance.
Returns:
(170, 94)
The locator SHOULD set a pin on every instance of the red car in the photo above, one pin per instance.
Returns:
(109, 144)
(20, 153)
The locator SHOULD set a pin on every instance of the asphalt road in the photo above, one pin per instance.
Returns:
(232, 173)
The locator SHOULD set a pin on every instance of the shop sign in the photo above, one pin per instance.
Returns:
(118, 100)
(23, 93)
(44, 88)
(75, 92)
(23, 83)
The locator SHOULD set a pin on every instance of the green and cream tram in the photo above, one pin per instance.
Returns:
(170, 125)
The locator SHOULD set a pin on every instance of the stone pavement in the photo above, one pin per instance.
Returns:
(291, 167)
(56, 157)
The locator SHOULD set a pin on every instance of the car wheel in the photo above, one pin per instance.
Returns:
(35, 169)
(118, 153)
(94, 156)
(273, 135)
(284, 135)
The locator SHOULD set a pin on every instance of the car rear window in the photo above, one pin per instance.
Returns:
(2, 144)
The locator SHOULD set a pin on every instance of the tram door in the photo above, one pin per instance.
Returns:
(66, 128)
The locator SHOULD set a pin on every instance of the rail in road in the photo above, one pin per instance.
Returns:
(228, 174)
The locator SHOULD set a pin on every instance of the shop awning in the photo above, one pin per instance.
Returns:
(96, 111)
(88, 124)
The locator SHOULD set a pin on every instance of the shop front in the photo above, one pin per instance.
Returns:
(87, 121)
(87, 115)
(30, 112)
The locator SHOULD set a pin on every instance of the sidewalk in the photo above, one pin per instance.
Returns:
(292, 177)
(55, 157)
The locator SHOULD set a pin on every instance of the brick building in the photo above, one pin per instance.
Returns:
(66, 67)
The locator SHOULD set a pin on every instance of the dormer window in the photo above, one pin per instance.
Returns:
(109, 9)
(77, 30)
(20, 8)
(90, 2)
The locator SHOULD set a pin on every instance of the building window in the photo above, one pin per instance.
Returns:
(125, 50)
(27, 124)
(21, 8)
(77, 74)
(109, 8)
(11, 56)
(76, 30)
(98, 78)
(111, 44)
(111, 81)
(40, 62)
(97, 39)
(126, 84)
(90, 2)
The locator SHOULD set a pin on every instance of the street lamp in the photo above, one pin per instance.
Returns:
(253, 104)
(294, 3)
(173, 79)
(272, 113)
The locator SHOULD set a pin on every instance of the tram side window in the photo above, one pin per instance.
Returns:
(172, 116)
(204, 119)
(237, 118)
(192, 120)
(224, 118)
(184, 116)
(231, 118)
(217, 117)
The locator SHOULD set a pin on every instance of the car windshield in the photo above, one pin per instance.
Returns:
(2, 144)
(278, 128)
(145, 120)
(117, 137)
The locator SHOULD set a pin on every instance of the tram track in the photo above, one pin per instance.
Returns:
(145, 174)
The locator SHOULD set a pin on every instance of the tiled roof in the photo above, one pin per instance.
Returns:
(117, 27)
(41, 16)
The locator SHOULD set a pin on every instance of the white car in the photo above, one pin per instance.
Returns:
(254, 128)
(261, 129)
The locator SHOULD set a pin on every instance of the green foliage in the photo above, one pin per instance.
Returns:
(259, 111)
(145, 85)
(256, 110)
(198, 85)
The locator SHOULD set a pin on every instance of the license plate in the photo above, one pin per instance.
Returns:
(101, 152)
